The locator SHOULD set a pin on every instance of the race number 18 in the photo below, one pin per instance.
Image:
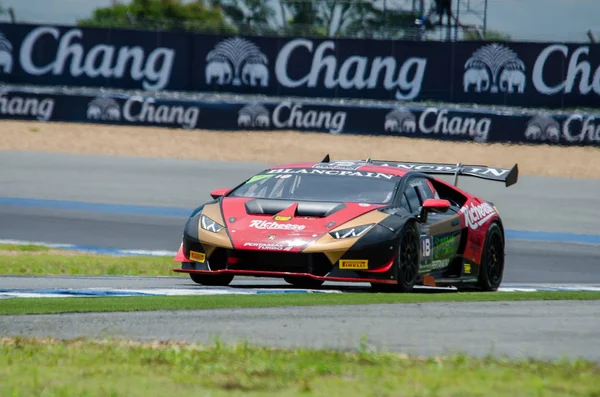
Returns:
(426, 247)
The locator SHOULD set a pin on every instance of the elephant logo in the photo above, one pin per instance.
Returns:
(237, 61)
(6, 57)
(105, 109)
(509, 79)
(221, 70)
(400, 120)
(478, 77)
(543, 128)
(253, 115)
(494, 68)
(254, 74)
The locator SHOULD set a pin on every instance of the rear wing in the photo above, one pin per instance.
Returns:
(508, 176)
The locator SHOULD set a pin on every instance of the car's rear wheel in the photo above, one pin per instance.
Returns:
(491, 269)
(211, 279)
(407, 262)
(304, 282)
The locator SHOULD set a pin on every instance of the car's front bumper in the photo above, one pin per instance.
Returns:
(376, 263)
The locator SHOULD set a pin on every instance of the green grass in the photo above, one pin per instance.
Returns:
(145, 303)
(119, 368)
(23, 248)
(35, 260)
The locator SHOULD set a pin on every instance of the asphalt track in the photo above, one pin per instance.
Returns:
(516, 329)
(140, 203)
(135, 203)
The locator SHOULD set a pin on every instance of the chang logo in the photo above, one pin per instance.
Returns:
(105, 109)
(543, 128)
(6, 57)
(494, 68)
(237, 61)
(400, 120)
(253, 116)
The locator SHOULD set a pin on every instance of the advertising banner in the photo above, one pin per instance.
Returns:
(572, 129)
(551, 75)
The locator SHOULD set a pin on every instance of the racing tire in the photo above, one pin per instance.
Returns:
(491, 269)
(304, 282)
(221, 280)
(407, 262)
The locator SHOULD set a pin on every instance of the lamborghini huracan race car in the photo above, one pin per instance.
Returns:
(388, 223)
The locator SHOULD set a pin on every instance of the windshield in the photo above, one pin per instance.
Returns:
(306, 184)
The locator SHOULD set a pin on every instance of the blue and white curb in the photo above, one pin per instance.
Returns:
(551, 287)
(203, 291)
(110, 292)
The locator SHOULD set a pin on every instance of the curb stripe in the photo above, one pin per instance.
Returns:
(110, 292)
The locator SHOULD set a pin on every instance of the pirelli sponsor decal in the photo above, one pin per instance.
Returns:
(197, 256)
(282, 218)
(354, 264)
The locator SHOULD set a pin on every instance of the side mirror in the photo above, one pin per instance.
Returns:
(433, 205)
(219, 192)
(437, 205)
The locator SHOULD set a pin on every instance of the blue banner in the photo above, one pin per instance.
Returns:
(432, 122)
(551, 75)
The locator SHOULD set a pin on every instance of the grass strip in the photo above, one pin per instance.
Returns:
(113, 368)
(35, 260)
(24, 248)
(136, 303)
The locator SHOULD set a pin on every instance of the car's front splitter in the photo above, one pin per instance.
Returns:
(351, 277)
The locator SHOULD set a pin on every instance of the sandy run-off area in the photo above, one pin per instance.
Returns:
(289, 146)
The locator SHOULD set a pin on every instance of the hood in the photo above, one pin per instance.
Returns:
(283, 225)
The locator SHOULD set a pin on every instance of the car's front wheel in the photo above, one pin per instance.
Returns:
(211, 279)
(304, 282)
(407, 262)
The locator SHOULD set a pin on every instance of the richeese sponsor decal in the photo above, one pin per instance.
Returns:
(356, 72)
(40, 108)
(577, 128)
(290, 115)
(477, 215)
(100, 61)
(437, 121)
(266, 225)
(143, 110)
(330, 172)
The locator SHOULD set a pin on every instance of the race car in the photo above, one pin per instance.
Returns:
(388, 223)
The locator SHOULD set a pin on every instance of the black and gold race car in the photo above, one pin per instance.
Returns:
(388, 223)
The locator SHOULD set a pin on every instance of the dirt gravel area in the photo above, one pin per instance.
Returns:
(289, 146)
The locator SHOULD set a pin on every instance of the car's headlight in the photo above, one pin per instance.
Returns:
(356, 231)
(208, 224)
